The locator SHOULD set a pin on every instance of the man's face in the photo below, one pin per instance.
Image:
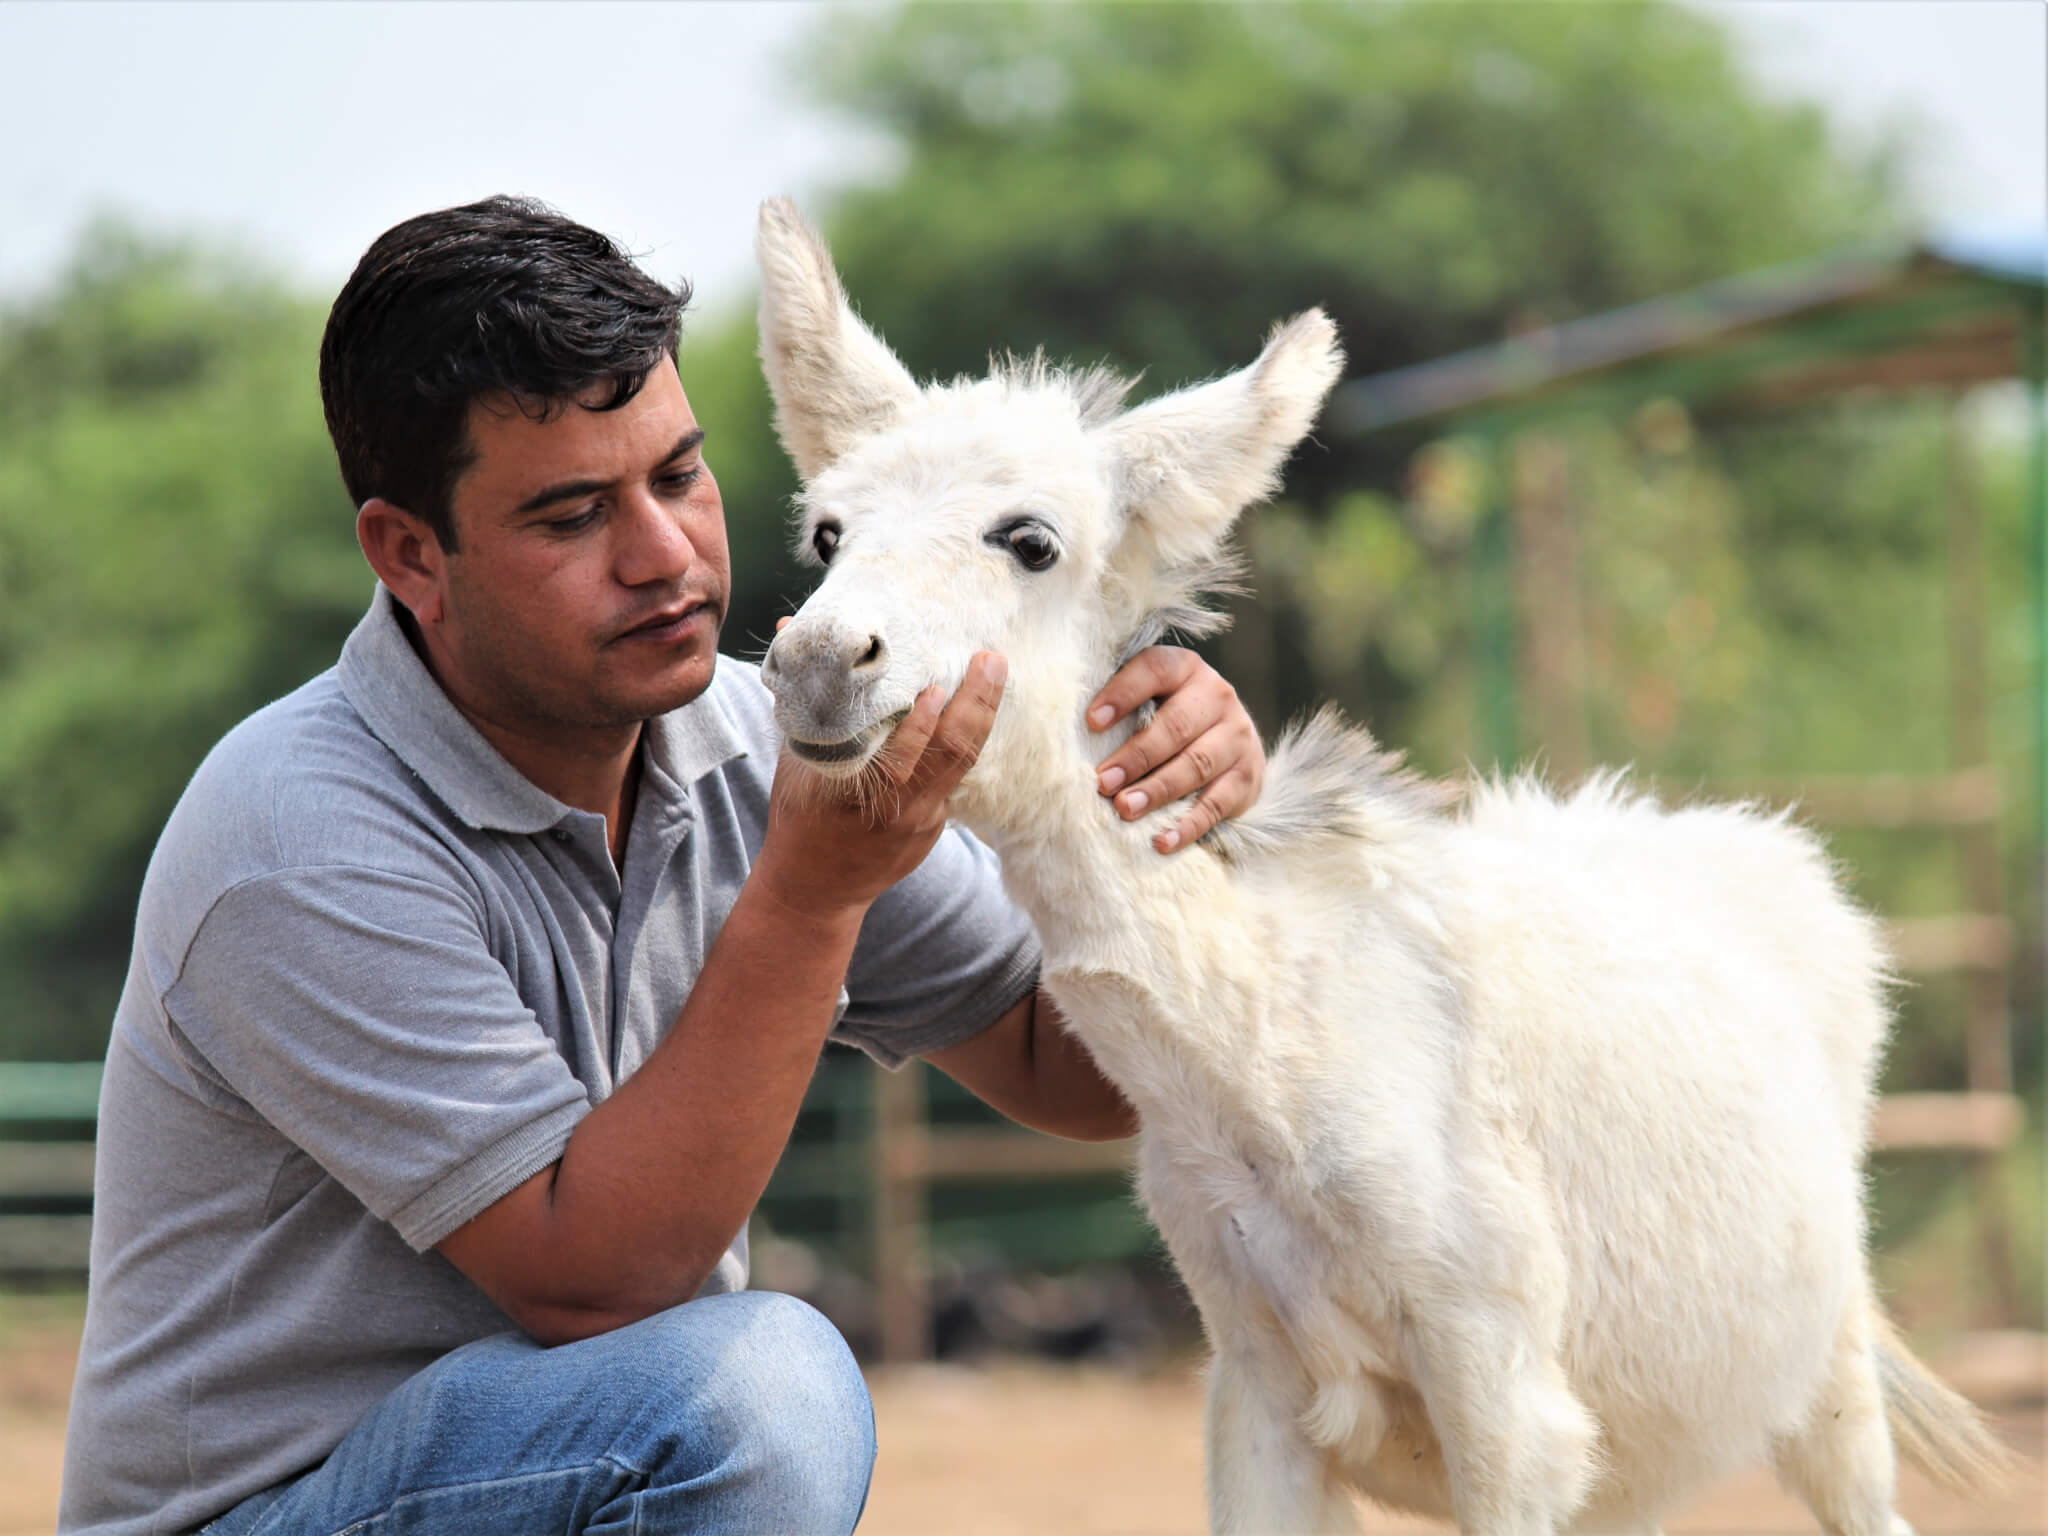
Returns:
(591, 574)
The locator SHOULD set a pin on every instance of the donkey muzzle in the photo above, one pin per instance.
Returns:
(826, 678)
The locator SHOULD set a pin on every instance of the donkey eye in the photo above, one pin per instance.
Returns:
(1031, 542)
(824, 541)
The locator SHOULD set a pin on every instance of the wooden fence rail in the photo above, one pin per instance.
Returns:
(47, 1114)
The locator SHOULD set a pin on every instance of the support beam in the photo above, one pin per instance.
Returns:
(901, 1262)
(1949, 1122)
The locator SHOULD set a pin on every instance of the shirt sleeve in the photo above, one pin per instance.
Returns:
(943, 954)
(363, 1015)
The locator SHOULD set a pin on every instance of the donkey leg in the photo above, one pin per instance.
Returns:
(1518, 1445)
(1266, 1478)
(1841, 1460)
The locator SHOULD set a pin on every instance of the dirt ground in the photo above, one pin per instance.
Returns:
(1027, 1450)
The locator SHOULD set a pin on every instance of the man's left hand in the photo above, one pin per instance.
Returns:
(1201, 738)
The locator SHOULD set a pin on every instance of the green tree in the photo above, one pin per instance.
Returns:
(1153, 185)
(174, 552)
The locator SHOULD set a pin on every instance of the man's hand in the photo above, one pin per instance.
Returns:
(827, 852)
(1201, 739)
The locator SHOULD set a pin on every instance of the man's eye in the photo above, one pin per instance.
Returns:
(825, 541)
(573, 524)
(679, 480)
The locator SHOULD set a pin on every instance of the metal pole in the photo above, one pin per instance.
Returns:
(1987, 1030)
(2037, 508)
(1987, 1025)
(1549, 659)
(1493, 612)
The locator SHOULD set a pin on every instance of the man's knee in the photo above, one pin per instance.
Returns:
(790, 1364)
(734, 1414)
(771, 1401)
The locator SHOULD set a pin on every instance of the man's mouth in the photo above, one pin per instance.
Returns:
(669, 624)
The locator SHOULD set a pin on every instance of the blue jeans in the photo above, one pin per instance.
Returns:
(740, 1413)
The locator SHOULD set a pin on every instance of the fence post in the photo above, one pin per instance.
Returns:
(901, 1269)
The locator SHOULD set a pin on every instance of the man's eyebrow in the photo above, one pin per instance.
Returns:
(568, 490)
(688, 442)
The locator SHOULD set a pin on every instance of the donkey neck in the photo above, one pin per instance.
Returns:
(1155, 957)
(1092, 883)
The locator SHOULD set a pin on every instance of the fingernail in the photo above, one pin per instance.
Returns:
(1112, 780)
(1101, 715)
(994, 668)
(1135, 802)
(1168, 841)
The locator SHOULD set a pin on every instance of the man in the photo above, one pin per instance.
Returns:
(476, 984)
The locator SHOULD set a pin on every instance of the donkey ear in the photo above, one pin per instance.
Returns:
(833, 380)
(1187, 463)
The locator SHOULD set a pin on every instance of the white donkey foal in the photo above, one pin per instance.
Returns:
(1512, 1156)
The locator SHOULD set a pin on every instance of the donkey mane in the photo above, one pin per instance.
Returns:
(1179, 598)
(1329, 781)
(1098, 392)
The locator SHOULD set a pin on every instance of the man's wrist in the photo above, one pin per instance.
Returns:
(799, 896)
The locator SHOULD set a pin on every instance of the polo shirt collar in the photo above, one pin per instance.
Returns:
(690, 742)
(388, 684)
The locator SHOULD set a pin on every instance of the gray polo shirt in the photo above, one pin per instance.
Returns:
(378, 978)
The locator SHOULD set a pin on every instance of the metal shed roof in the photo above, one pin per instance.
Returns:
(1954, 308)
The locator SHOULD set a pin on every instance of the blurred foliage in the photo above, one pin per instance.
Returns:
(1150, 186)
(175, 550)
(1937, 1229)
(1153, 185)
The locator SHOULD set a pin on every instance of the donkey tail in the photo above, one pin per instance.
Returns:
(1934, 1426)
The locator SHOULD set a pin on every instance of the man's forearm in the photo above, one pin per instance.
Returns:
(1030, 1067)
(1065, 1078)
(657, 1180)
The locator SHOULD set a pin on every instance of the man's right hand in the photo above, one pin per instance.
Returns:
(830, 850)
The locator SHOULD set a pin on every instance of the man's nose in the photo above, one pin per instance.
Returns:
(653, 546)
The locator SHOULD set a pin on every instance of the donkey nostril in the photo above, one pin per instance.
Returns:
(872, 654)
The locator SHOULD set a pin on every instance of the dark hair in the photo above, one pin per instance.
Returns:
(501, 297)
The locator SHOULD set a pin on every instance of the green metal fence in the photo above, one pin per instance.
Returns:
(47, 1114)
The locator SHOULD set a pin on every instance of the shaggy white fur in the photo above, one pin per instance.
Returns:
(1511, 1153)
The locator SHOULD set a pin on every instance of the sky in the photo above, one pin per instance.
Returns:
(302, 130)
(306, 129)
(1967, 78)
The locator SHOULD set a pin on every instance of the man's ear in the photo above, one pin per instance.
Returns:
(406, 554)
(833, 379)
(1187, 463)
